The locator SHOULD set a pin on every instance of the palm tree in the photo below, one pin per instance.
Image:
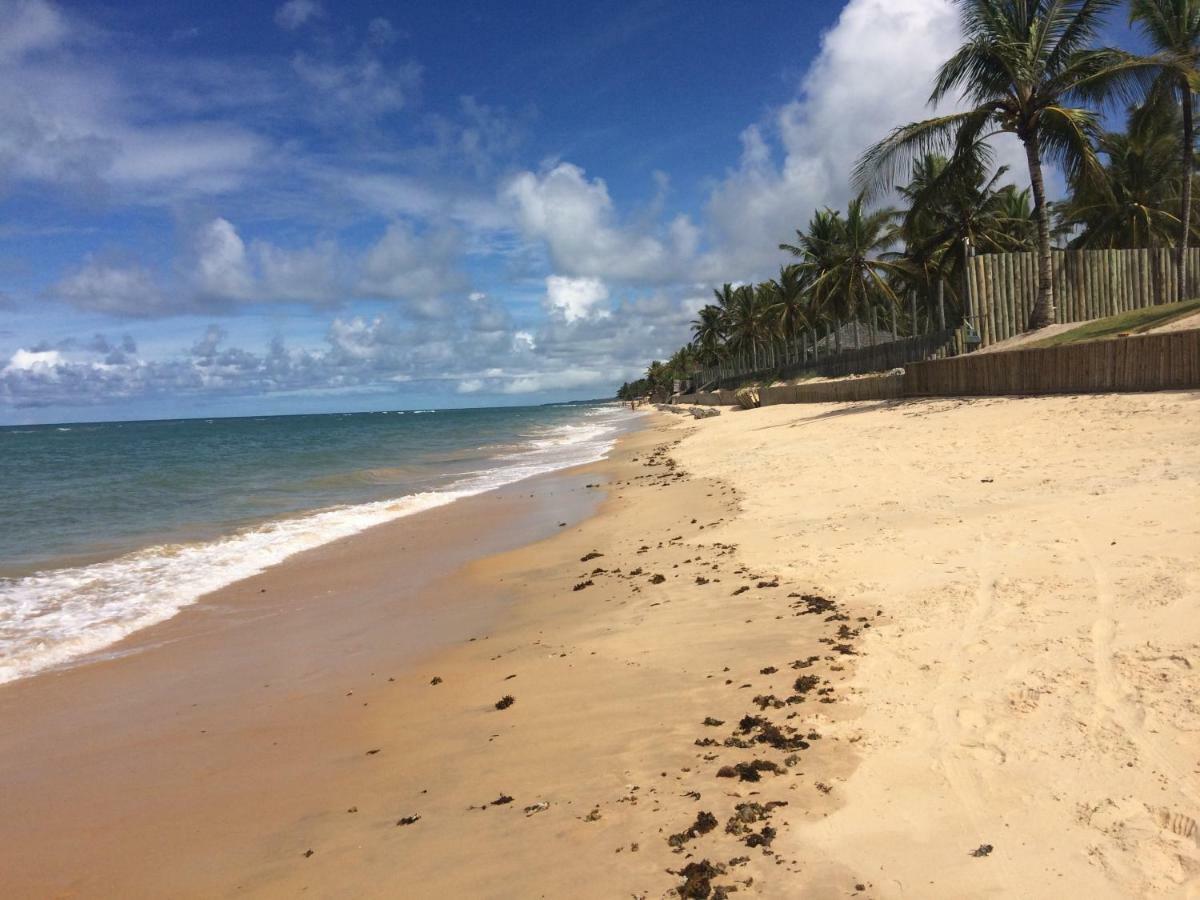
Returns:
(708, 334)
(948, 205)
(1021, 64)
(748, 321)
(842, 262)
(787, 299)
(1173, 29)
(1134, 207)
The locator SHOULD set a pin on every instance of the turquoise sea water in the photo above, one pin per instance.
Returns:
(109, 527)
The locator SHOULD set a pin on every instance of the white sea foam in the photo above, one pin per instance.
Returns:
(52, 617)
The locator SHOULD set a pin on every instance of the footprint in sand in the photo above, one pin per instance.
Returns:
(1180, 824)
(1024, 700)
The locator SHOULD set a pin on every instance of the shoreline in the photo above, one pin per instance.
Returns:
(857, 649)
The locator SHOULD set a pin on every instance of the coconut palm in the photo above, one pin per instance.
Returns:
(841, 259)
(788, 303)
(949, 205)
(1135, 205)
(748, 321)
(708, 334)
(1021, 66)
(1173, 29)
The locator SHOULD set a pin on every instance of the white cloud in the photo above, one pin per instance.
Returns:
(113, 289)
(296, 13)
(222, 269)
(308, 274)
(33, 361)
(576, 298)
(576, 219)
(419, 268)
(874, 72)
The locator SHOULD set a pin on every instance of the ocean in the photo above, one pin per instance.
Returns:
(107, 528)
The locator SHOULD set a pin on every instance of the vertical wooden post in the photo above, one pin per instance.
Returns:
(873, 319)
(941, 304)
(912, 298)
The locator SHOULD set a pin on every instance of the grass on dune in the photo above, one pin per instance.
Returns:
(1134, 322)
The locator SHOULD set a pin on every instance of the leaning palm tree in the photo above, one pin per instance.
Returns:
(1173, 29)
(1021, 66)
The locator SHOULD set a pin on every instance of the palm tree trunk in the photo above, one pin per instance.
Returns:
(1042, 313)
(1186, 213)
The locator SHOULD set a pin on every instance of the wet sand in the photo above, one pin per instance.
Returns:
(257, 744)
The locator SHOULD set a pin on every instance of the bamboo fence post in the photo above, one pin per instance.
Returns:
(941, 304)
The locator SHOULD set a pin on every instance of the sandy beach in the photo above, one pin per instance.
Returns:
(921, 649)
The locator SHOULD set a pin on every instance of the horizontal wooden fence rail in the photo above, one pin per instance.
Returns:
(1149, 362)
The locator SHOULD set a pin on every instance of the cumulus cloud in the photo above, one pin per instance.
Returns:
(576, 298)
(418, 268)
(112, 289)
(295, 13)
(222, 269)
(801, 160)
(33, 361)
(575, 217)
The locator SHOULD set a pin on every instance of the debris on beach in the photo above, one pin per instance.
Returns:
(751, 771)
(502, 800)
(657, 579)
(535, 808)
(407, 820)
(587, 557)
(698, 876)
(982, 850)
(436, 679)
(713, 723)
(308, 853)
(506, 701)
(583, 584)
(705, 822)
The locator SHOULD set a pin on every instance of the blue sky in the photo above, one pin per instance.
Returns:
(269, 207)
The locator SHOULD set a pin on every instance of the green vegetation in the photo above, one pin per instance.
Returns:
(1028, 68)
(1137, 321)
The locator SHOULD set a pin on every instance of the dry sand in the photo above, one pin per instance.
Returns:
(1008, 657)
(1037, 685)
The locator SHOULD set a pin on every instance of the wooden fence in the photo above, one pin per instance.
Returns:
(1001, 288)
(1088, 284)
(1149, 362)
(857, 361)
